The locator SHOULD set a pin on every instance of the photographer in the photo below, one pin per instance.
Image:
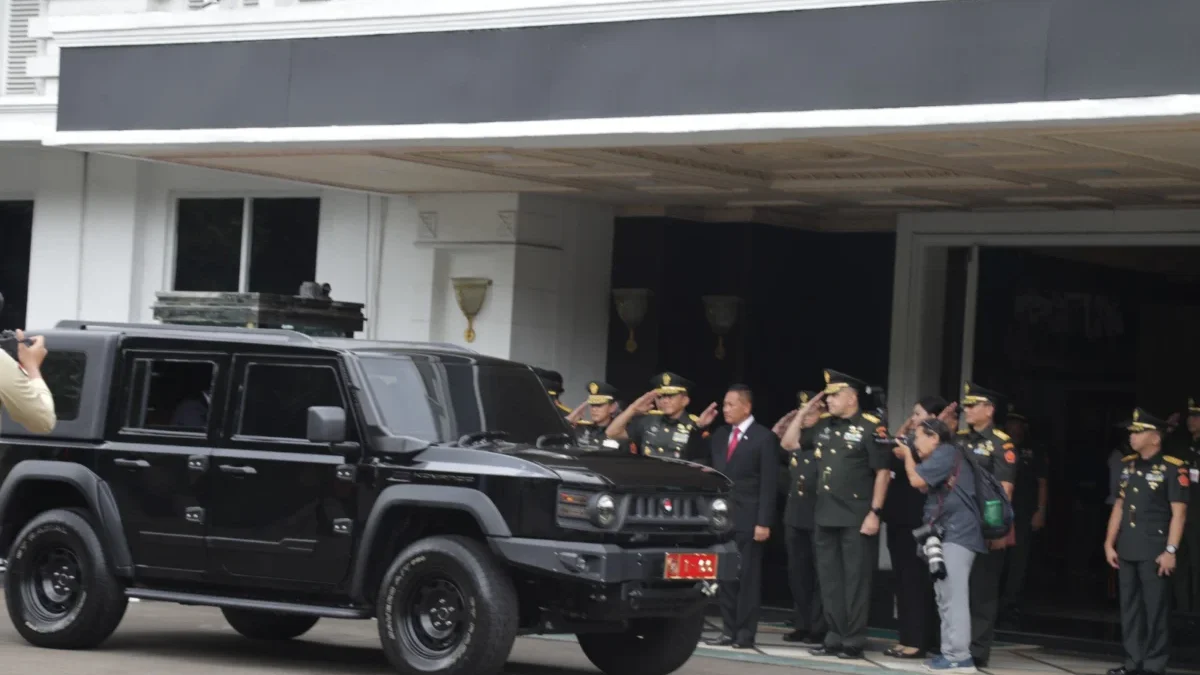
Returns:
(951, 537)
(23, 392)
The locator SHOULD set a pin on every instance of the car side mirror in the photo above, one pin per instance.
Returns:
(326, 425)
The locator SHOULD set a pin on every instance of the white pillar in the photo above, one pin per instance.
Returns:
(57, 243)
(110, 244)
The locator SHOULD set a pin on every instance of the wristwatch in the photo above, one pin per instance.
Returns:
(878, 512)
(1172, 549)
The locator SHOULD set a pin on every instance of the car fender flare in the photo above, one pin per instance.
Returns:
(469, 501)
(94, 491)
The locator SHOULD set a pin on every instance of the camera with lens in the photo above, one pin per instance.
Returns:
(929, 548)
(8, 339)
(909, 440)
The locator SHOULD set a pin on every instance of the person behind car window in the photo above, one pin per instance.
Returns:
(952, 516)
(602, 408)
(668, 430)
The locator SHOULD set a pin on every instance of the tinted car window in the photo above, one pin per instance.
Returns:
(63, 373)
(437, 401)
(277, 398)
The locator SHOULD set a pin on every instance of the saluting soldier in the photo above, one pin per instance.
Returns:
(552, 380)
(1184, 443)
(1144, 531)
(798, 441)
(993, 451)
(851, 485)
(602, 405)
(666, 429)
(1030, 497)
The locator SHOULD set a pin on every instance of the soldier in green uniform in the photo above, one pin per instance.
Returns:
(1030, 496)
(552, 380)
(993, 451)
(1144, 531)
(852, 481)
(667, 430)
(1184, 443)
(602, 406)
(799, 443)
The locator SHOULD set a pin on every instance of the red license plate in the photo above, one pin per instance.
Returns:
(690, 566)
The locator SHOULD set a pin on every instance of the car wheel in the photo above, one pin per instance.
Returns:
(447, 608)
(647, 647)
(60, 591)
(259, 625)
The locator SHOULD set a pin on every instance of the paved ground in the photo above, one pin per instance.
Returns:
(161, 638)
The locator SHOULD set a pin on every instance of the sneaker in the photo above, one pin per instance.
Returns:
(939, 664)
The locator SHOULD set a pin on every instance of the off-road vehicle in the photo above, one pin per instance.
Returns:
(284, 478)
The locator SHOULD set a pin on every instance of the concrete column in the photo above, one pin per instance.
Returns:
(57, 248)
(109, 236)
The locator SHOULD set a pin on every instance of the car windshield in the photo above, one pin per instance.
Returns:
(441, 402)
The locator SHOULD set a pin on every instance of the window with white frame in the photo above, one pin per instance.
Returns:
(260, 245)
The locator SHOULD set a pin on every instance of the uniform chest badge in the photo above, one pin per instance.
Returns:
(982, 451)
(794, 462)
(1154, 478)
(854, 434)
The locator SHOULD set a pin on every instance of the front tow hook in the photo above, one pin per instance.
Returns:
(709, 588)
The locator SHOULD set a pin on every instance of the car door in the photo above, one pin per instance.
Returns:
(156, 457)
(283, 507)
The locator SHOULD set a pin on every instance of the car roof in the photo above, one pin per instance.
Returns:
(274, 336)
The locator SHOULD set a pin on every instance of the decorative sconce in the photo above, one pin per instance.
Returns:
(631, 307)
(470, 293)
(721, 312)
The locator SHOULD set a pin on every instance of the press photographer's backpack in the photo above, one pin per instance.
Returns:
(995, 509)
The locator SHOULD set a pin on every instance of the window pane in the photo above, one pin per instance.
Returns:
(63, 373)
(208, 244)
(283, 248)
(277, 398)
(170, 395)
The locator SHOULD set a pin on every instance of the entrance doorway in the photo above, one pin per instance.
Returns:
(1078, 317)
(16, 229)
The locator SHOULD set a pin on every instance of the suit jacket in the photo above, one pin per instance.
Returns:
(753, 468)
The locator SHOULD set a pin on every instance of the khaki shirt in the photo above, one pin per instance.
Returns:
(27, 401)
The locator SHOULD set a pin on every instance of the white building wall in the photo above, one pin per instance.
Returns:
(104, 244)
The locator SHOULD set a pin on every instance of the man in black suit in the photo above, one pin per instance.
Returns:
(748, 454)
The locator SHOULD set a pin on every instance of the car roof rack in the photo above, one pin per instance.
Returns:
(290, 335)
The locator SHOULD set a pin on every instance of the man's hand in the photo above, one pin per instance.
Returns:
(1110, 554)
(870, 526)
(950, 415)
(783, 423)
(997, 544)
(1039, 520)
(645, 402)
(31, 356)
(761, 533)
(1166, 564)
(706, 418)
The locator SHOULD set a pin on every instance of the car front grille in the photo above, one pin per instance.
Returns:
(666, 510)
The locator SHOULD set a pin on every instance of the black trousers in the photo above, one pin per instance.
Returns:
(802, 577)
(985, 601)
(1145, 608)
(741, 600)
(916, 608)
(845, 565)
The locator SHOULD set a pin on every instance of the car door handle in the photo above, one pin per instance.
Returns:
(243, 470)
(132, 463)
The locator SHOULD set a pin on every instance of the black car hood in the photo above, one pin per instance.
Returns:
(623, 471)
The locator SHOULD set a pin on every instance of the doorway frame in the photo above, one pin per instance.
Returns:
(923, 238)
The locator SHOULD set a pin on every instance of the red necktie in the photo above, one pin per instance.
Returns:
(733, 441)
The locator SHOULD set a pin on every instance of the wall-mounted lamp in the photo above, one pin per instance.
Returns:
(632, 304)
(470, 293)
(722, 313)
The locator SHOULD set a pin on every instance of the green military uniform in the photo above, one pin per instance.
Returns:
(849, 457)
(798, 519)
(656, 435)
(1186, 580)
(588, 434)
(1148, 489)
(994, 451)
(1033, 466)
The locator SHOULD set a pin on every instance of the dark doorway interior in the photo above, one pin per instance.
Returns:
(16, 229)
(1078, 337)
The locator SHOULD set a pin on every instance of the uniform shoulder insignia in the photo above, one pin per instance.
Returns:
(870, 418)
(655, 412)
(1001, 435)
(585, 423)
(1173, 460)
(963, 432)
(693, 418)
(826, 416)
(1129, 458)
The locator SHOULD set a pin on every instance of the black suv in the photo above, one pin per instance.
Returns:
(284, 478)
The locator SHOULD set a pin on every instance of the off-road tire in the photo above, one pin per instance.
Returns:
(99, 600)
(478, 591)
(259, 625)
(649, 647)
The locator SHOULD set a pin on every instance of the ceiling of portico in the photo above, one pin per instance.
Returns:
(803, 182)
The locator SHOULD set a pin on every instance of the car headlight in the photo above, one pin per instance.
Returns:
(719, 512)
(603, 510)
